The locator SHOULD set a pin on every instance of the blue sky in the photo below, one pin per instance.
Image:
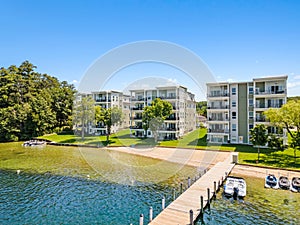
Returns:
(238, 40)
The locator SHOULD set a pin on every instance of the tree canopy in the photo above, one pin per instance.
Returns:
(201, 108)
(31, 103)
(110, 117)
(288, 117)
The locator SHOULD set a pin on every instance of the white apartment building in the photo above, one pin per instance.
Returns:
(235, 108)
(109, 99)
(182, 119)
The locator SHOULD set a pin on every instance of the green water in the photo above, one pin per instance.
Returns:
(68, 185)
(260, 206)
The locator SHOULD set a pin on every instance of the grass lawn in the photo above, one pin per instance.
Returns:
(195, 140)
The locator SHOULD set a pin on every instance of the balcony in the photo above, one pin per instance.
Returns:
(103, 100)
(136, 127)
(169, 129)
(137, 108)
(218, 107)
(264, 106)
(219, 131)
(167, 97)
(172, 118)
(219, 94)
(218, 119)
(138, 99)
(270, 92)
(259, 119)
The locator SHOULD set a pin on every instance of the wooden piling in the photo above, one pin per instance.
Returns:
(141, 219)
(163, 201)
(201, 206)
(150, 214)
(189, 182)
(191, 217)
(208, 198)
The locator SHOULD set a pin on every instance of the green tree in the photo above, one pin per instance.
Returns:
(110, 117)
(83, 113)
(201, 108)
(288, 117)
(153, 116)
(28, 102)
(259, 137)
(275, 142)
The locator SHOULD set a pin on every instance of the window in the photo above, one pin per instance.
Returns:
(250, 102)
(233, 139)
(250, 126)
(233, 127)
(233, 103)
(250, 115)
(250, 90)
(233, 91)
(233, 115)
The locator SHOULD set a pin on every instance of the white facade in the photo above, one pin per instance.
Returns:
(233, 109)
(182, 119)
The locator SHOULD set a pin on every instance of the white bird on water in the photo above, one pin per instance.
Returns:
(18, 171)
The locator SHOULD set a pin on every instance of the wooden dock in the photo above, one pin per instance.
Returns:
(178, 212)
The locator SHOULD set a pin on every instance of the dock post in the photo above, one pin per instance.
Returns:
(163, 203)
(219, 185)
(174, 194)
(201, 206)
(208, 198)
(189, 182)
(150, 214)
(191, 217)
(141, 219)
(181, 188)
(215, 189)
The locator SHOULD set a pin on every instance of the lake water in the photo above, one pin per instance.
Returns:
(60, 185)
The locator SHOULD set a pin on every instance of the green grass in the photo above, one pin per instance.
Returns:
(195, 140)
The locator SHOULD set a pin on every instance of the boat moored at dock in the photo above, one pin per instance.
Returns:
(235, 187)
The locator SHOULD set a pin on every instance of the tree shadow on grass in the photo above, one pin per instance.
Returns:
(277, 159)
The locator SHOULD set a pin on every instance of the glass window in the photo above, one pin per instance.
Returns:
(233, 115)
(250, 115)
(250, 90)
(233, 103)
(250, 102)
(233, 91)
(250, 126)
(233, 127)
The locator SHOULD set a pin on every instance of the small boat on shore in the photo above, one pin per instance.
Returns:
(295, 185)
(271, 182)
(284, 183)
(32, 143)
(235, 187)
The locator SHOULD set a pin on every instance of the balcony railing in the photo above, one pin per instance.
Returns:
(172, 118)
(217, 130)
(269, 92)
(136, 127)
(167, 97)
(261, 120)
(261, 106)
(103, 100)
(218, 107)
(138, 99)
(137, 108)
(218, 119)
(222, 94)
(169, 129)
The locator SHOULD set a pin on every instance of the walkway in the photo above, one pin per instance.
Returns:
(178, 212)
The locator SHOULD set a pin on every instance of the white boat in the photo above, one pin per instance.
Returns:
(271, 182)
(295, 184)
(235, 187)
(32, 143)
(284, 183)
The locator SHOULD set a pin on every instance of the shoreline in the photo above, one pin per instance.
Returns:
(261, 172)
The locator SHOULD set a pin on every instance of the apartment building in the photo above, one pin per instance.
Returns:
(109, 99)
(235, 108)
(182, 119)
